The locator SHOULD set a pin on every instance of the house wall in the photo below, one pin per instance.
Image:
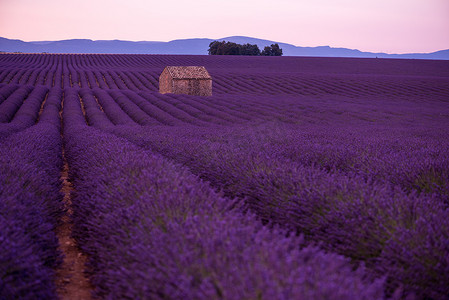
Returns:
(196, 87)
(165, 83)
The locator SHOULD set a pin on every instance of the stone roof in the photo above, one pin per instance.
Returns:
(188, 72)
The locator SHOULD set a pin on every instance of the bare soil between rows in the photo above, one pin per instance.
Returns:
(72, 282)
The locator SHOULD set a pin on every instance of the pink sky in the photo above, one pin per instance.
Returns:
(392, 26)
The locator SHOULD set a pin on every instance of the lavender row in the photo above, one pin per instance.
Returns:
(28, 112)
(396, 67)
(199, 112)
(10, 105)
(113, 110)
(163, 103)
(414, 159)
(152, 110)
(6, 90)
(41, 104)
(133, 110)
(231, 76)
(429, 175)
(375, 222)
(153, 230)
(94, 111)
(104, 109)
(24, 113)
(67, 76)
(30, 209)
(129, 108)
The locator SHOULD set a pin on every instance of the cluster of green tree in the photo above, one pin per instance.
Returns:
(229, 48)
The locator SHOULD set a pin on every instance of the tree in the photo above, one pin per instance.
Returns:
(229, 48)
(248, 49)
(215, 47)
(273, 50)
(276, 50)
(224, 48)
(232, 48)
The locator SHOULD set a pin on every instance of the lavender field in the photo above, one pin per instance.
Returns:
(300, 178)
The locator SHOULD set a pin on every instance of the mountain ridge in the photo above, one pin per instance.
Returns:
(194, 46)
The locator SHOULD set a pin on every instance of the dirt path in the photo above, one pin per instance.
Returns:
(72, 282)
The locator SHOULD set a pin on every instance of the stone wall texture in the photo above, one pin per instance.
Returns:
(189, 80)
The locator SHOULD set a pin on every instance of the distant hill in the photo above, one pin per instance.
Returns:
(190, 46)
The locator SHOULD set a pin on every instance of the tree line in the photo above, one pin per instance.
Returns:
(230, 48)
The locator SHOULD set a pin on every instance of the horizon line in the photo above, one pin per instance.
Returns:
(223, 38)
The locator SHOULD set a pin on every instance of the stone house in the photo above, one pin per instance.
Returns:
(190, 80)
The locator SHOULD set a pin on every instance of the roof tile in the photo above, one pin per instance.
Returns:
(188, 72)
